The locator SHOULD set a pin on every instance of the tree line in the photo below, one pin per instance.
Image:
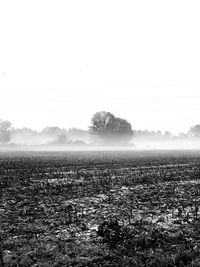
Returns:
(105, 128)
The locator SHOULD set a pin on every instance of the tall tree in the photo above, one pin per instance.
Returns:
(110, 128)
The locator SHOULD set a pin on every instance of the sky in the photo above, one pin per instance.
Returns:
(62, 61)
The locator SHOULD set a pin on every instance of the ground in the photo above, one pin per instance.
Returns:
(122, 208)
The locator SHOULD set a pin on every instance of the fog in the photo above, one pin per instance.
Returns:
(168, 145)
(134, 146)
(41, 141)
(60, 139)
(49, 136)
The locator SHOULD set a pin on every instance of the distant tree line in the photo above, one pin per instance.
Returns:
(105, 128)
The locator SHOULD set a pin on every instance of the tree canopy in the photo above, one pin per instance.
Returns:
(5, 131)
(195, 131)
(110, 128)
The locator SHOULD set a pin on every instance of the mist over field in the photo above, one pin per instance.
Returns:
(44, 144)
(83, 140)
(106, 132)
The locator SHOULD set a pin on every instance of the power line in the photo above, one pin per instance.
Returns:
(87, 111)
(50, 99)
(112, 87)
(159, 85)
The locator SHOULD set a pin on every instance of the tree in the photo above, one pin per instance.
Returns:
(5, 131)
(54, 131)
(62, 139)
(110, 128)
(78, 134)
(194, 131)
(167, 135)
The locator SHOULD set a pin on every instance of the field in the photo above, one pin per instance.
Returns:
(100, 208)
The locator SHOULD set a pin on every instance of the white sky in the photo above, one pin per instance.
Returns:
(61, 61)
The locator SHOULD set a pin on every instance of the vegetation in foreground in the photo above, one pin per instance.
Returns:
(96, 209)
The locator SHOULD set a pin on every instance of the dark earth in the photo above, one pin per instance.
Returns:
(121, 208)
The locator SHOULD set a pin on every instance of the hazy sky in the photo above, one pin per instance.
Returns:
(61, 61)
